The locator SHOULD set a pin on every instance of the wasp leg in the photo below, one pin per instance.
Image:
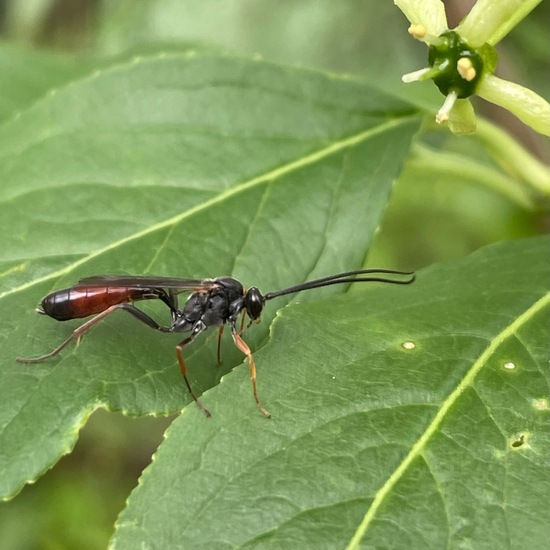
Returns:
(197, 329)
(220, 332)
(242, 345)
(79, 332)
(242, 322)
(171, 300)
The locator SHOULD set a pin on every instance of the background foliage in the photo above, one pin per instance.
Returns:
(439, 210)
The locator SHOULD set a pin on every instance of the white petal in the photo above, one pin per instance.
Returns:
(491, 20)
(528, 106)
(428, 13)
(415, 76)
(443, 113)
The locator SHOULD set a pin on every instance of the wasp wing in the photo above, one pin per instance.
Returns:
(146, 281)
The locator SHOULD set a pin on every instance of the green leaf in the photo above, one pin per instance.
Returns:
(178, 165)
(27, 75)
(371, 444)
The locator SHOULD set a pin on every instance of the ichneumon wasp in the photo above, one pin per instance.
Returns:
(212, 303)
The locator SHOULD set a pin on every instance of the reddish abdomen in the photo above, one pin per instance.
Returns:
(71, 303)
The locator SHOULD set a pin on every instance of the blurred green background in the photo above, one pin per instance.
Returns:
(435, 214)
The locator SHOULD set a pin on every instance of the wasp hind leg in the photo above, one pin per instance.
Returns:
(79, 332)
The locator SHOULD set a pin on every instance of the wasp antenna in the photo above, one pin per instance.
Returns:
(346, 277)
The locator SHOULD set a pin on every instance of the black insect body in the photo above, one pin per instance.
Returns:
(212, 303)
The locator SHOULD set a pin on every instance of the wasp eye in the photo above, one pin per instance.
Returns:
(254, 303)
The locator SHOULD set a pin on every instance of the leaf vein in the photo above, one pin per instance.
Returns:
(421, 443)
